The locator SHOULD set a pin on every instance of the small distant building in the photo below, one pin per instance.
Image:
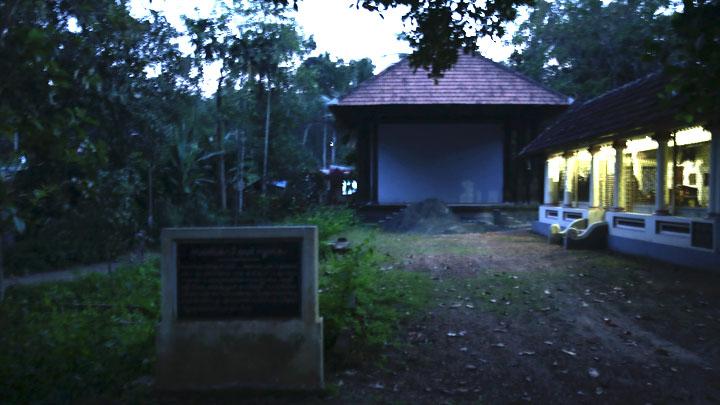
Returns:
(456, 140)
(339, 184)
(625, 159)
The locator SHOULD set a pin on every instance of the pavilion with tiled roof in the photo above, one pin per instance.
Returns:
(474, 80)
(455, 139)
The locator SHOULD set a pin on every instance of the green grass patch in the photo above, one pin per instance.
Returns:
(81, 339)
(93, 338)
(401, 245)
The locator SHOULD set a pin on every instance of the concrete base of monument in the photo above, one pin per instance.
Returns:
(240, 355)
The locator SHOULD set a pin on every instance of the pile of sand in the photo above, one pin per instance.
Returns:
(430, 216)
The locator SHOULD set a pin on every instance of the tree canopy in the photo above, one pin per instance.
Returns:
(694, 61)
(583, 48)
(442, 28)
(104, 132)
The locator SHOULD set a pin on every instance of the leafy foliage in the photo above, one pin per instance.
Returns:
(80, 106)
(362, 303)
(441, 28)
(332, 79)
(444, 27)
(330, 221)
(583, 48)
(104, 134)
(694, 63)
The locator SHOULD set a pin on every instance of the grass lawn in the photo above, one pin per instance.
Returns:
(491, 317)
(93, 339)
(513, 319)
(86, 340)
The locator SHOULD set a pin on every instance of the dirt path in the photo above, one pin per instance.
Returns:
(515, 320)
(67, 274)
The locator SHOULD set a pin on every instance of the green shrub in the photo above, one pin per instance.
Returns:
(65, 243)
(63, 342)
(360, 302)
(363, 303)
(329, 220)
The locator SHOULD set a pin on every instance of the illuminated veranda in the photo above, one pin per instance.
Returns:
(585, 178)
(657, 188)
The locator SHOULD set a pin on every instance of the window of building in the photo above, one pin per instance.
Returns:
(691, 163)
(582, 185)
(605, 178)
(640, 175)
(556, 177)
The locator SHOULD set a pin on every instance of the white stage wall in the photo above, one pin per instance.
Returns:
(456, 163)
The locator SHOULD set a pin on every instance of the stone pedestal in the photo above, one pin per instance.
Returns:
(240, 310)
(233, 355)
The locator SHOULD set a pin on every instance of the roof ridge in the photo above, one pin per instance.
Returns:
(636, 96)
(473, 79)
(372, 79)
(526, 78)
(631, 83)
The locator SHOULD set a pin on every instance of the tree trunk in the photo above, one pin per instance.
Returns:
(267, 142)
(220, 146)
(150, 209)
(240, 142)
(305, 133)
(108, 256)
(2, 270)
(333, 145)
(324, 146)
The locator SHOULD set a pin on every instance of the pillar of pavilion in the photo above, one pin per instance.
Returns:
(618, 145)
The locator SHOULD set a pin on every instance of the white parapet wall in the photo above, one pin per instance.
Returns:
(688, 242)
(692, 233)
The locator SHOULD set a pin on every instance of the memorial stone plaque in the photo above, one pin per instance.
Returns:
(239, 309)
(239, 279)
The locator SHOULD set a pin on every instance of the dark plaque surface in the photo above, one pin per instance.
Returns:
(244, 278)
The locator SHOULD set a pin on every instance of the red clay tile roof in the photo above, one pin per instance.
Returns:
(473, 80)
(632, 109)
